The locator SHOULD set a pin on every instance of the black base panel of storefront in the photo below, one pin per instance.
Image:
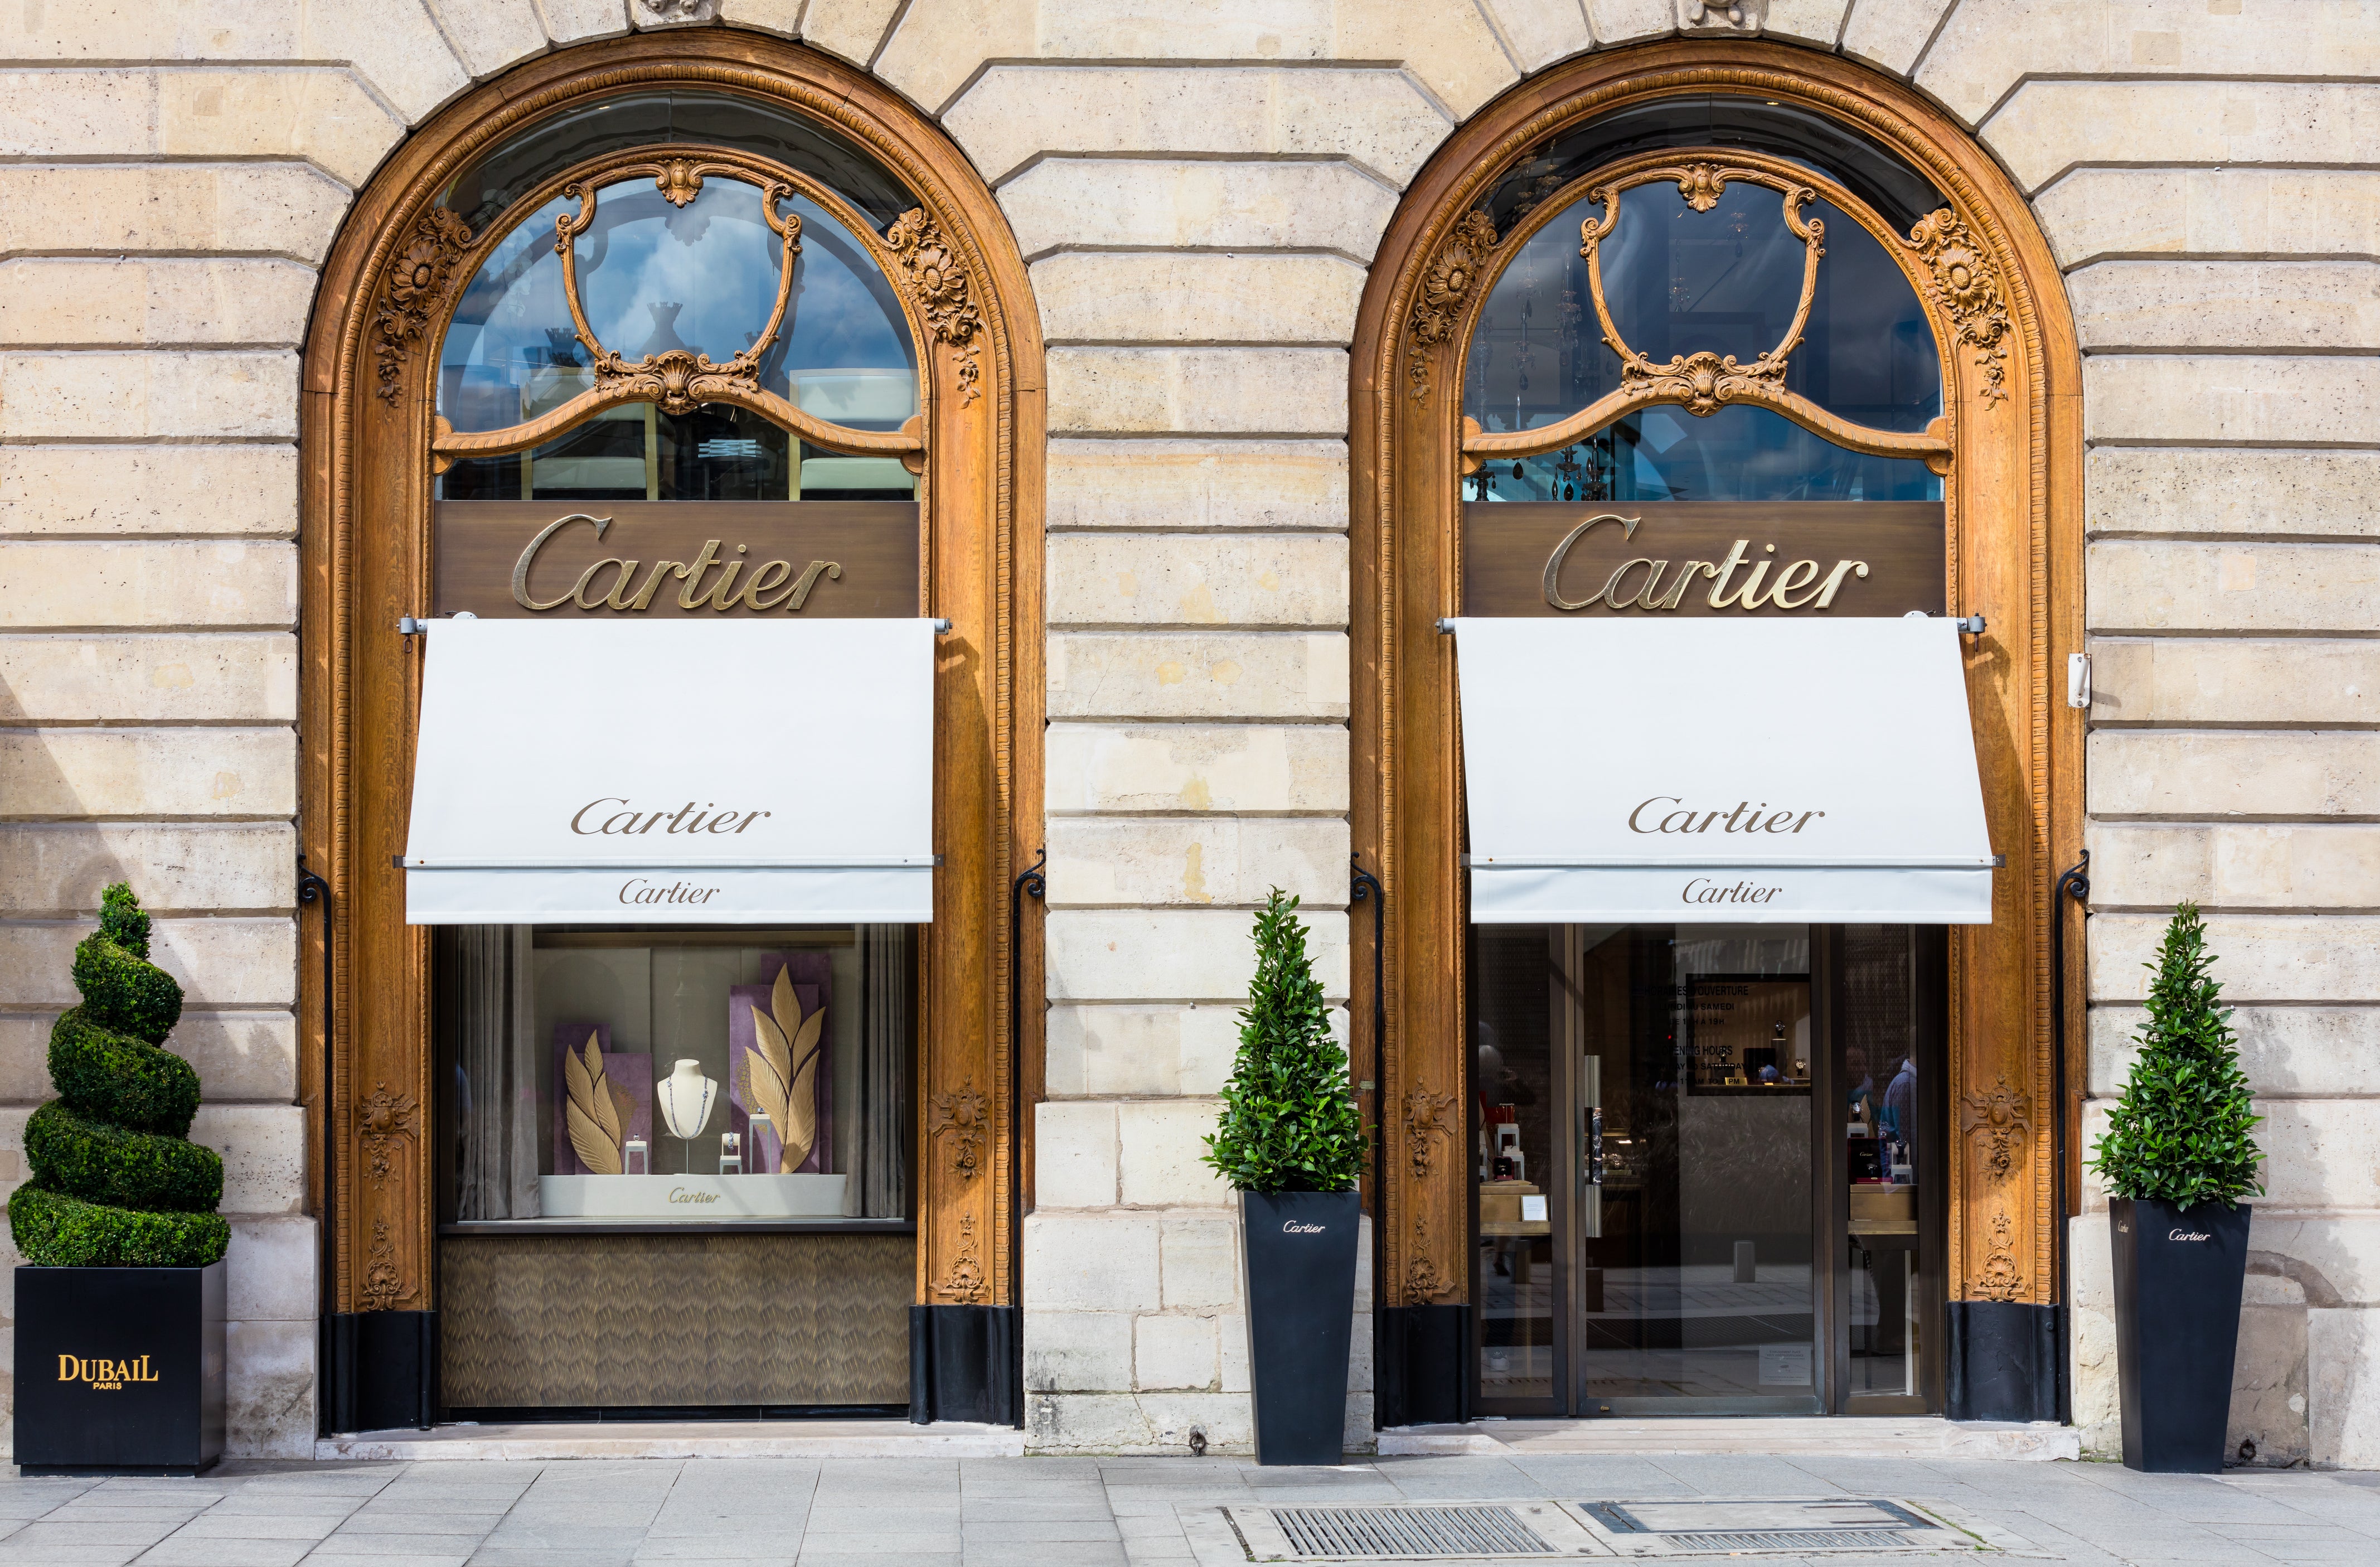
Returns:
(605, 1415)
(379, 1371)
(1422, 1365)
(2001, 1360)
(965, 1363)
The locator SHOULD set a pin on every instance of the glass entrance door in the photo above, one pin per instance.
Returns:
(1705, 1167)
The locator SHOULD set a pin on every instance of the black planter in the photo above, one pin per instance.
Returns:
(2178, 1272)
(1299, 1252)
(119, 1370)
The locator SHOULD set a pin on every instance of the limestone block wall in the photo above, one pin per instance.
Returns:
(2220, 242)
(1199, 187)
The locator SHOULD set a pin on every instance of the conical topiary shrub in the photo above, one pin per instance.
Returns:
(2183, 1132)
(1289, 1120)
(116, 1182)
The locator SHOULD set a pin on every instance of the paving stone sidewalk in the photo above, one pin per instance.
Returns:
(1082, 1512)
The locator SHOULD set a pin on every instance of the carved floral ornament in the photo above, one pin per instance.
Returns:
(423, 280)
(1955, 272)
(964, 1113)
(1998, 1120)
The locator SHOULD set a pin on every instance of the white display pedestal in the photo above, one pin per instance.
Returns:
(691, 1197)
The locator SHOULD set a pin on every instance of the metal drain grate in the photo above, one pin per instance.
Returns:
(1714, 1526)
(1341, 1532)
(1794, 1539)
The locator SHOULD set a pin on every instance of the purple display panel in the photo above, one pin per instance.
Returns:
(813, 973)
(630, 1070)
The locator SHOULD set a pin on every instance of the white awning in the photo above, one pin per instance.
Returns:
(1740, 771)
(674, 773)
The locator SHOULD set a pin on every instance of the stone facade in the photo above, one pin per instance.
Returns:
(1199, 189)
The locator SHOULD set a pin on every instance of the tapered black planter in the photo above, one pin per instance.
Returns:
(119, 1370)
(1299, 1251)
(2178, 1272)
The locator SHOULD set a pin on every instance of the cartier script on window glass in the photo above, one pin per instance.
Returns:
(668, 560)
(1653, 560)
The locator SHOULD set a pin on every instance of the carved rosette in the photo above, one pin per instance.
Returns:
(964, 1113)
(1425, 1118)
(410, 290)
(1998, 1122)
(1965, 285)
(1452, 273)
(2001, 1278)
(383, 1121)
(937, 285)
(963, 1283)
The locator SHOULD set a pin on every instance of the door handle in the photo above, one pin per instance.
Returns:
(1594, 1145)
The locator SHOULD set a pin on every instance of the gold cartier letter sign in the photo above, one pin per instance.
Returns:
(647, 560)
(1689, 558)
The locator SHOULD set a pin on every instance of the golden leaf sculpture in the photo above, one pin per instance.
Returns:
(594, 1110)
(780, 1071)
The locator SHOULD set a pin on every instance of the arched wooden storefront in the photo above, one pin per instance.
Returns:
(2014, 555)
(388, 290)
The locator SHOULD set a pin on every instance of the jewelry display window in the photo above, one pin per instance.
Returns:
(675, 1075)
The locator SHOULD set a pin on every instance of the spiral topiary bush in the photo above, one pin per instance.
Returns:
(116, 1182)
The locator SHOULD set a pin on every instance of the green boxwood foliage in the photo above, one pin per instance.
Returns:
(1289, 1120)
(91, 1159)
(95, 1069)
(124, 992)
(2182, 1132)
(62, 1231)
(114, 1184)
(123, 922)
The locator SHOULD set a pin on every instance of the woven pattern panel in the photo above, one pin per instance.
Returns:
(631, 1320)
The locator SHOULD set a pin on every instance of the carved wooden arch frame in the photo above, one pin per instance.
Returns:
(366, 429)
(2012, 393)
(678, 379)
(1703, 383)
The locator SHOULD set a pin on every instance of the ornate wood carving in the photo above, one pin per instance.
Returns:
(1964, 285)
(1998, 1121)
(386, 1284)
(385, 1125)
(963, 1283)
(2000, 1278)
(2013, 551)
(964, 1113)
(1446, 288)
(364, 538)
(413, 288)
(938, 286)
(1425, 1282)
(1425, 1118)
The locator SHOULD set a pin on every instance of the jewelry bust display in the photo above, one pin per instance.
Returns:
(684, 1098)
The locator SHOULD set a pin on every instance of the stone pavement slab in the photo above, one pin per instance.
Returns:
(930, 1510)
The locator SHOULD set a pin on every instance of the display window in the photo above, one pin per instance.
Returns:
(676, 1073)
